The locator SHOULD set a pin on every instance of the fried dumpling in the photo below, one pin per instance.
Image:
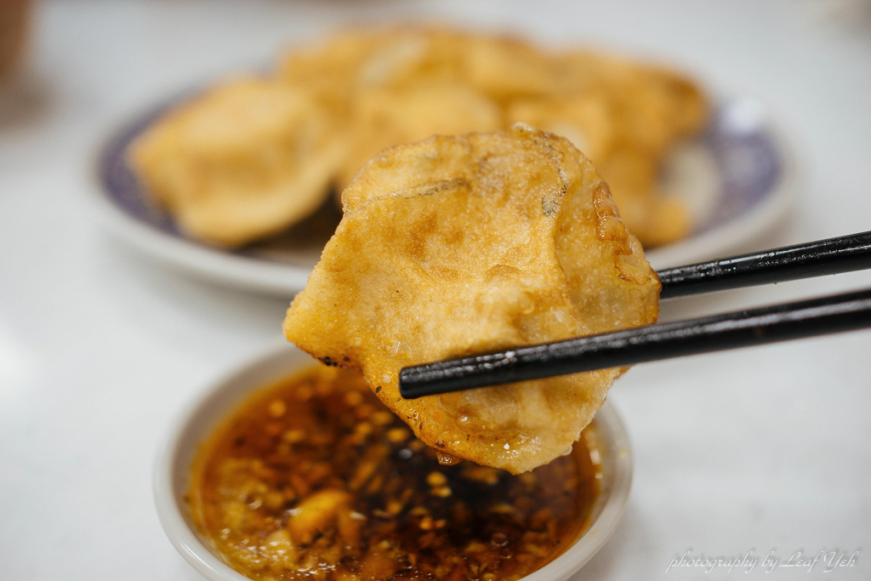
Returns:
(240, 162)
(459, 245)
(387, 117)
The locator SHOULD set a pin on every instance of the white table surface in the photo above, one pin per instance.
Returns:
(759, 450)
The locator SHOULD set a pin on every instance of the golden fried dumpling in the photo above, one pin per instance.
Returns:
(458, 245)
(506, 68)
(625, 117)
(330, 69)
(399, 84)
(386, 117)
(360, 59)
(653, 106)
(653, 215)
(631, 171)
(243, 161)
(587, 120)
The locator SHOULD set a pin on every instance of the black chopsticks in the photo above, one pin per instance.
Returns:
(830, 256)
(668, 340)
(651, 343)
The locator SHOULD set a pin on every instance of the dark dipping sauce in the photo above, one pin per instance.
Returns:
(314, 478)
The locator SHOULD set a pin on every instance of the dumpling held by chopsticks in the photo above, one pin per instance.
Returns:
(460, 245)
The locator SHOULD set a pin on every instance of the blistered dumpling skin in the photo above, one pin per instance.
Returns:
(458, 245)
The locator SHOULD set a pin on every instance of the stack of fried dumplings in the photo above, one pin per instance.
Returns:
(255, 155)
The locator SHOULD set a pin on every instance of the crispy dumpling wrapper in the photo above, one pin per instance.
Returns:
(242, 161)
(458, 245)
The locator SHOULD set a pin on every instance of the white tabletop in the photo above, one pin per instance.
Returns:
(759, 450)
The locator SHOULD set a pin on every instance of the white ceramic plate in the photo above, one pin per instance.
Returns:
(738, 179)
(173, 468)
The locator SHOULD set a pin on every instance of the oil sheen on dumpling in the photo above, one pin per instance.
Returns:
(459, 245)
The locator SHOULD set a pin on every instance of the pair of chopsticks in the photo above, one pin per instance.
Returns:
(784, 322)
